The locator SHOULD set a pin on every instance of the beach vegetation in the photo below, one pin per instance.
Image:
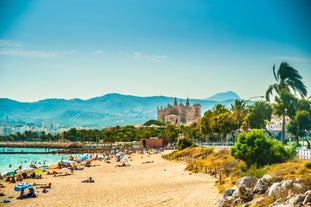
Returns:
(183, 143)
(288, 80)
(255, 148)
(154, 122)
(227, 169)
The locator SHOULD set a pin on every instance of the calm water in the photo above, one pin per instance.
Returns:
(10, 162)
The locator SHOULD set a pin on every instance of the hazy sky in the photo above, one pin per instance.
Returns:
(178, 48)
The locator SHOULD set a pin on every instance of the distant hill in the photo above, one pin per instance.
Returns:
(108, 110)
(229, 95)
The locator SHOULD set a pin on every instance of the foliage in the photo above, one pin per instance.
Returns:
(301, 122)
(184, 143)
(218, 121)
(244, 170)
(288, 80)
(292, 169)
(255, 148)
(193, 152)
(154, 122)
(239, 111)
(258, 115)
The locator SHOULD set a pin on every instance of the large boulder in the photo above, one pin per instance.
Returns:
(229, 192)
(275, 190)
(247, 182)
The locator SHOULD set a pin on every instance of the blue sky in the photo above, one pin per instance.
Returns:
(178, 48)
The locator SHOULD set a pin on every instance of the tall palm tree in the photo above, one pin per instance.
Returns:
(287, 79)
(239, 111)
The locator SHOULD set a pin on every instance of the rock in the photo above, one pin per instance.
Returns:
(267, 178)
(245, 193)
(287, 184)
(297, 199)
(307, 200)
(260, 186)
(275, 190)
(297, 187)
(229, 191)
(247, 181)
(225, 202)
(258, 200)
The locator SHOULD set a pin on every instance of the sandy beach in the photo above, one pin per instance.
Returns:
(148, 181)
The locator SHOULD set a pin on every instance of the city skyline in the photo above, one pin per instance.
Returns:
(85, 49)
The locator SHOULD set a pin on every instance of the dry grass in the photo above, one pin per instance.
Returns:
(227, 169)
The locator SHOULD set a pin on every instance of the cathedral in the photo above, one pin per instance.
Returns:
(179, 113)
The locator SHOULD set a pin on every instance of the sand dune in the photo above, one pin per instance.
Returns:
(156, 183)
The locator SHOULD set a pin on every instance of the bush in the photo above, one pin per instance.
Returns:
(256, 148)
(183, 143)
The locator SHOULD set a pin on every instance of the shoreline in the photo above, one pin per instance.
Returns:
(149, 180)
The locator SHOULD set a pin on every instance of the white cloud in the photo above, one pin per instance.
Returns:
(10, 48)
(155, 58)
(8, 43)
(158, 58)
(289, 58)
(34, 53)
(98, 52)
(138, 54)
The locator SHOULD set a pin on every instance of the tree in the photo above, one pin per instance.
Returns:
(259, 113)
(183, 143)
(154, 122)
(287, 79)
(219, 121)
(256, 148)
(239, 111)
(301, 122)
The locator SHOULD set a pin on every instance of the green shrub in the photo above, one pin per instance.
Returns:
(184, 143)
(308, 165)
(256, 148)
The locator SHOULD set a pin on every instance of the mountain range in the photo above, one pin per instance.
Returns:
(108, 110)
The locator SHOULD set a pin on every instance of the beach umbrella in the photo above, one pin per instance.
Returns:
(22, 186)
(84, 157)
(123, 159)
(29, 169)
(11, 173)
(65, 168)
(37, 171)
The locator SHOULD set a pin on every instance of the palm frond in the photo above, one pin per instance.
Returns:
(275, 76)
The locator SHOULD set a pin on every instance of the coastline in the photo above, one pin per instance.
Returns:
(150, 180)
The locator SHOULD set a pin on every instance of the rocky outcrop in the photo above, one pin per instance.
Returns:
(251, 191)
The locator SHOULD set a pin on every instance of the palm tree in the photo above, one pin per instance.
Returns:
(287, 79)
(239, 111)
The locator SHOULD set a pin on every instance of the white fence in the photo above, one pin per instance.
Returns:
(304, 154)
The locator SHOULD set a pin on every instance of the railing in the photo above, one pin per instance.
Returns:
(304, 154)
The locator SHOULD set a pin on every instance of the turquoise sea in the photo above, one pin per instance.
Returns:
(11, 162)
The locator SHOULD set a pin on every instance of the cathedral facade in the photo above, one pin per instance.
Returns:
(179, 113)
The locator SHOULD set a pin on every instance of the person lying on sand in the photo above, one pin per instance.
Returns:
(147, 162)
(53, 173)
(89, 180)
(57, 175)
(122, 165)
(44, 185)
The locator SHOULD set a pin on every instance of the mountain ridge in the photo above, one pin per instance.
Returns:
(108, 110)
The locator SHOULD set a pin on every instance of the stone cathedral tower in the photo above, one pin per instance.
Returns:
(179, 113)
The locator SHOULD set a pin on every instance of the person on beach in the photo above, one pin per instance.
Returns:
(89, 180)
(13, 180)
(44, 185)
(21, 195)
